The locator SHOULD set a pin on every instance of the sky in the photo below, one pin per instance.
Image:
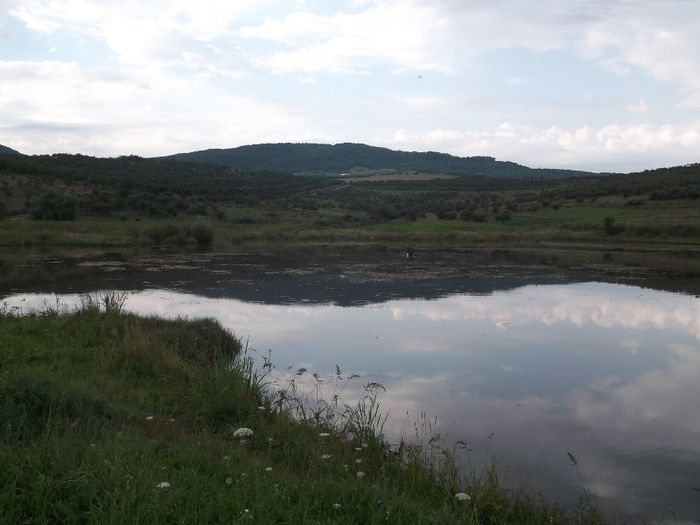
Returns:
(605, 85)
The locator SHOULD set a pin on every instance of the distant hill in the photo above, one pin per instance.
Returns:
(342, 158)
(4, 150)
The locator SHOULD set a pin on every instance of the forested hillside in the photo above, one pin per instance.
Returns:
(146, 186)
(342, 158)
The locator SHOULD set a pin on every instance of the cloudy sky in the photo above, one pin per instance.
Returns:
(593, 84)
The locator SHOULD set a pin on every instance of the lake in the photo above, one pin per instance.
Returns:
(528, 357)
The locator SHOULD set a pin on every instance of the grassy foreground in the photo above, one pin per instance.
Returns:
(112, 418)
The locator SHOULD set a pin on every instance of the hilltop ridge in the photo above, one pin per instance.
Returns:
(336, 159)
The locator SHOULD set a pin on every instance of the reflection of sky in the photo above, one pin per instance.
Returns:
(608, 372)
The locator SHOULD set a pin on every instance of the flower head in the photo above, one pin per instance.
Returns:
(242, 432)
(163, 485)
(324, 435)
(360, 474)
(463, 496)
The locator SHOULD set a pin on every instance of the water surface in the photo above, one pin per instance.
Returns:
(524, 362)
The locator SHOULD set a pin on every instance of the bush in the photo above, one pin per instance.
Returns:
(446, 215)
(54, 207)
(203, 234)
(472, 216)
(611, 227)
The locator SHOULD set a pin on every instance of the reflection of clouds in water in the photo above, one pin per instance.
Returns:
(655, 407)
(581, 304)
(637, 442)
(239, 316)
(603, 305)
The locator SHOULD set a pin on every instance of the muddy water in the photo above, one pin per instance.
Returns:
(526, 357)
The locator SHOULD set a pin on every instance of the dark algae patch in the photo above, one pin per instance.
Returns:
(109, 417)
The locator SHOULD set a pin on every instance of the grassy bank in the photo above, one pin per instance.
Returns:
(112, 418)
(665, 223)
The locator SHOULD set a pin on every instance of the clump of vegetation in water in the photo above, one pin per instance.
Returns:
(108, 417)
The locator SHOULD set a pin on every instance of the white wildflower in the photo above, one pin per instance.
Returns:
(463, 496)
(229, 481)
(326, 456)
(358, 461)
(149, 418)
(360, 474)
(337, 506)
(261, 408)
(364, 445)
(242, 432)
(163, 485)
(324, 435)
(268, 469)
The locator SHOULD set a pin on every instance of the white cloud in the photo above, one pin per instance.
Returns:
(141, 110)
(383, 35)
(660, 38)
(154, 33)
(603, 148)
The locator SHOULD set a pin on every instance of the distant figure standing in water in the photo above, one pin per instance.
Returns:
(409, 253)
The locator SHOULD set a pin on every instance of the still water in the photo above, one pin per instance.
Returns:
(526, 363)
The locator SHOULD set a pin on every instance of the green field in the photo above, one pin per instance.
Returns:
(671, 223)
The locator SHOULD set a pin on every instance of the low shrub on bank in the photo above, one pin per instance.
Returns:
(203, 234)
(200, 233)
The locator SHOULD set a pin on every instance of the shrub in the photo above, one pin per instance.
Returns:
(54, 207)
(203, 234)
(611, 227)
(446, 215)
